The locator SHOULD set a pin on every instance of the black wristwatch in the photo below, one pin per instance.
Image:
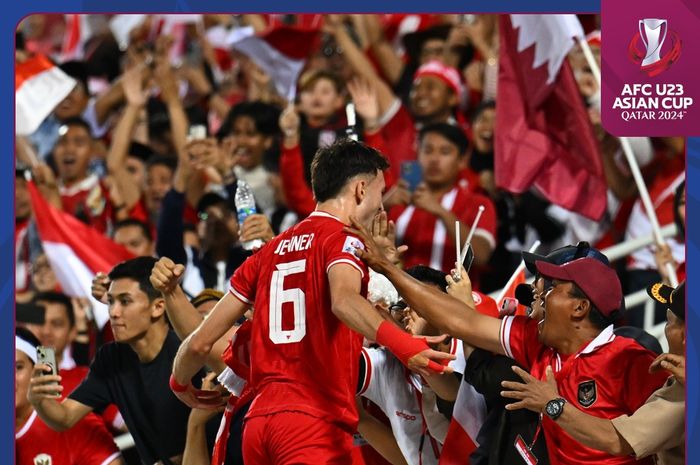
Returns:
(554, 408)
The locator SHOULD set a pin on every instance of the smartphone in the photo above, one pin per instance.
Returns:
(197, 132)
(47, 356)
(412, 173)
(468, 258)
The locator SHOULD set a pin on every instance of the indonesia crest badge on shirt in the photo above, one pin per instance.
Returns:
(587, 393)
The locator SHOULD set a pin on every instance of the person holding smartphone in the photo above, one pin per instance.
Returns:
(87, 443)
(425, 218)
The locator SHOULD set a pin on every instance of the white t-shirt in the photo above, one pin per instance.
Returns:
(417, 425)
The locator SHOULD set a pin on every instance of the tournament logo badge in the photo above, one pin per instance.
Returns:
(587, 393)
(43, 459)
(646, 46)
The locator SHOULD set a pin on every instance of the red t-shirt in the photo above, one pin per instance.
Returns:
(608, 378)
(303, 358)
(426, 236)
(89, 201)
(86, 443)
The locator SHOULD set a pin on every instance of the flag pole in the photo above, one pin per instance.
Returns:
(515, 274)
(634, 168)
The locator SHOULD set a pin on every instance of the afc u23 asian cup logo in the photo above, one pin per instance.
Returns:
(645, 47)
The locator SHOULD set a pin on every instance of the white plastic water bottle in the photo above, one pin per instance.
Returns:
(245, 206)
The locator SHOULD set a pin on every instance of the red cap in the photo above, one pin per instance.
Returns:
(440, 70)
(598, 281)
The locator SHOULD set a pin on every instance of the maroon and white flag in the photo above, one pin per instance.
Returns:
(544, 136)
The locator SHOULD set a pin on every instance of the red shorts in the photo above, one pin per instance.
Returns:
(295, 438)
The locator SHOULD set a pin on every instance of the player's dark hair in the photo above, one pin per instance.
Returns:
(335, 165)
(428, 275)
(145, 230)
(452, 133)
(139, 269)
(595, 316)
(60, 298)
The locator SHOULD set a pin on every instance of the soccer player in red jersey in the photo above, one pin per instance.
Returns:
(308, 291)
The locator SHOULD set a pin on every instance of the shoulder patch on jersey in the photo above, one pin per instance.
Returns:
(587, 393)
(351, 244)
(476, 297)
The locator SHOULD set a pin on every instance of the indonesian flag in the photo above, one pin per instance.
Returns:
(75, 251)
(467, 418)
(281, 52)
(39, 87)
(544, 136)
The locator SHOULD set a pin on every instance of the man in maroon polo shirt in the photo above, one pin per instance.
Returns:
(605, 375)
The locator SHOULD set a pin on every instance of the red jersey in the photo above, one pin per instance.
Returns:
(303, 358)
(609, 377)
(86, 443)
(426, 236)
(88, 201)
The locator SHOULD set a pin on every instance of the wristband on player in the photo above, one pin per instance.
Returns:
(177, 387)
(403, 345)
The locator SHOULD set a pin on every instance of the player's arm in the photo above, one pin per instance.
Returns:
(44, 396)
(195, 349)
(357, 313)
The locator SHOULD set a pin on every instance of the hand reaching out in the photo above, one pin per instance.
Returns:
(364, 96)
(384, 235)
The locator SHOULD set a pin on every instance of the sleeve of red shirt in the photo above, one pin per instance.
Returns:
(340, 248)
(91, 443)
(299, 196)
(519, 339)
(244, 280)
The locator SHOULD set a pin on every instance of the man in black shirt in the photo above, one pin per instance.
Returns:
(132, 372)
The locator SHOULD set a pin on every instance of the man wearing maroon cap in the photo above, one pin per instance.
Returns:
(596, 371)
(658, 427)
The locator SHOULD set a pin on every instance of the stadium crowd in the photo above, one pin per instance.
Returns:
(172, 127)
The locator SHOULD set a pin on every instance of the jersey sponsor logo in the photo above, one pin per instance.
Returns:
(294, 244)
(351, 244)
(405, 416)
(43, 459)
(587, 393)
(476, 297)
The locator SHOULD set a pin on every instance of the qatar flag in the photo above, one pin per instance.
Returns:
(39, 87)
(544, 137)
(75, 251)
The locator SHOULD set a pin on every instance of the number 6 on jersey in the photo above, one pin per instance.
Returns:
(278, 296)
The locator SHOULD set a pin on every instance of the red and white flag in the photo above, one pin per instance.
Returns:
(281, 52)
(78, 31)
(75, 251)
(39, 87)
(544, 136)
(467, 418)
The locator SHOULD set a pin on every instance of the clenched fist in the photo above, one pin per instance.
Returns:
(166, 275)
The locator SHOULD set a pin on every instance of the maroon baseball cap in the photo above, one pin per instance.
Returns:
(598, 281)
